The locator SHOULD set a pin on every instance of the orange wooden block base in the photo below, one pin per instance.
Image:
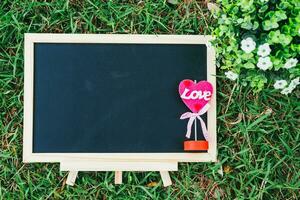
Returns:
(192, 145)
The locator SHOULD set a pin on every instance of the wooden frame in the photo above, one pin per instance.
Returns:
(29, 156)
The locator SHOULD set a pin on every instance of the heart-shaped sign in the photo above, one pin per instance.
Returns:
(195, 95)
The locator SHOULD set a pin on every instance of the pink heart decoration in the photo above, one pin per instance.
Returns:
(195, 95)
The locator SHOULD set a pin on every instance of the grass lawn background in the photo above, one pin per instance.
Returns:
(258, 134)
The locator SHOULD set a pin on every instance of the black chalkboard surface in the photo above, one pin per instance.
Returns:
(112, 98)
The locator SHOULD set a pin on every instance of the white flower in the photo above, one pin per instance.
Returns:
(231, 75)
(264, 50)
(248, 45)
(264, 63)
(292, 62)
(295, 82)
(286, 91)
(280, 84)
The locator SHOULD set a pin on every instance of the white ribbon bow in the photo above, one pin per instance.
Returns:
(192, 117)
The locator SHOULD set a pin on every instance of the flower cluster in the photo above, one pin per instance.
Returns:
(257, 42)
(281, 84)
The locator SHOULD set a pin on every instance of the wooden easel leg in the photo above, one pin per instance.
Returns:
(118, 177)
(71, 178)
(166, 179)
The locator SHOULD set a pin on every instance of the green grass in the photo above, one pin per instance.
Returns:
(258, 134)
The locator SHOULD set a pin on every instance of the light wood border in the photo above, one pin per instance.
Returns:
(31, 38)
(118, 166)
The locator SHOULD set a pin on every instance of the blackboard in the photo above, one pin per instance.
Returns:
(115, 95)
(112, 97)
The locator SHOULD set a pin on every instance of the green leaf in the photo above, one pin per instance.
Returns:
(286, 29)
(237, 61)
(255, 25)
(274, 36)
(263, 9)
(223, 28)
(294, 28)
(247, 25)
(285, 39)
(270, 14)
(280, 15)
(257, 81)
(274, 23)
(246, 56)
(240, 20)
(284, 5)
(246, 5)
(267, 25)
(296, 48)
(249, 65)
(277, 63)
